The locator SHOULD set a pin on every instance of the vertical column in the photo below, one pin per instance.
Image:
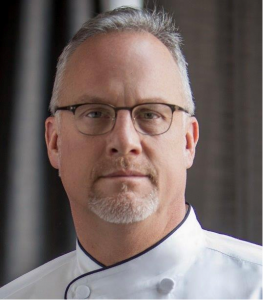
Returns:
(111, 4)
(79, 12)
(24, 240)
(247, 39)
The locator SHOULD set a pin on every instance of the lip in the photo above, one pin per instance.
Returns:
(124, 174)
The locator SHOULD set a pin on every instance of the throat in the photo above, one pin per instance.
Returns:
(121, 248)
(111, 243)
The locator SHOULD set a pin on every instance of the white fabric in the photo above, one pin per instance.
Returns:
(189, 263)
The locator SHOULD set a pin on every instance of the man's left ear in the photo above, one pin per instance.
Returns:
(191, 139)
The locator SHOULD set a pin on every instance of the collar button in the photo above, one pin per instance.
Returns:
(82, 292)
(166, 286)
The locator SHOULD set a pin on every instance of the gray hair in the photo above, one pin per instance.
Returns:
(158, 24)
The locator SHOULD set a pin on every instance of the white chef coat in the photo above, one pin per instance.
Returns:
(188, 263)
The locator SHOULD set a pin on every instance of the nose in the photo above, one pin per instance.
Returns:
(123, 140)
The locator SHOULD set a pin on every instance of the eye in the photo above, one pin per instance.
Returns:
(150, 115)
(147, 115)
(97, 114)
(94, 114)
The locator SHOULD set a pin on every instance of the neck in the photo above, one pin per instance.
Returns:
(111, 243)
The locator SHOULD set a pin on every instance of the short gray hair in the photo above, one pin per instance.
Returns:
(159, 24)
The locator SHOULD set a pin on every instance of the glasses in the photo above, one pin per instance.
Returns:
(148, 118)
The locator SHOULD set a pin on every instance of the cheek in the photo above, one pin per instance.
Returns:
(77, 157)
(170, 151)
(169, 160)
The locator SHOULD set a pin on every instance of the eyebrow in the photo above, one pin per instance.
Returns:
(96, 99)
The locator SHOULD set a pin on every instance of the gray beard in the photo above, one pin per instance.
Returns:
(124, 208)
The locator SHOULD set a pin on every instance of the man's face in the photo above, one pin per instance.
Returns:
(122, 176)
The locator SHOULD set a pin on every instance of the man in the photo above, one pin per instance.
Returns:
(122, 135)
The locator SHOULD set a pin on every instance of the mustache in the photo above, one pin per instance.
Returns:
(124, 163)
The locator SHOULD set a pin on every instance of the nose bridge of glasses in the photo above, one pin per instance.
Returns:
(125, 119)
(117, 109)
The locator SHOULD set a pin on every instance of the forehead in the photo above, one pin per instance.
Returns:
(125, 66)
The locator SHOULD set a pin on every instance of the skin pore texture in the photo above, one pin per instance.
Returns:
(147, 197)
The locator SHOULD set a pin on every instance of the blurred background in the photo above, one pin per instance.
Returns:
(222, 44)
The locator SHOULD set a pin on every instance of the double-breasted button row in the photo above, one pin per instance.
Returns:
(165, 286)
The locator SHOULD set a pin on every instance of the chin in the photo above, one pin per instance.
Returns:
(124, 208)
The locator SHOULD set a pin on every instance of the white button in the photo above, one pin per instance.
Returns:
(166, 285)
(82, 292)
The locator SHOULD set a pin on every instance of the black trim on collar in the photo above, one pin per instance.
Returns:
(90, 256)
(130, 258)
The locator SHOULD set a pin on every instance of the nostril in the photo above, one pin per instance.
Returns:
(113, 150)
(134, 151)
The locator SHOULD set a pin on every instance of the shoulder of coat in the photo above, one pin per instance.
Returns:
(27, 280)
(233, 247)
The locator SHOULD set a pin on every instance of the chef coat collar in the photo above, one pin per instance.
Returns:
(181, 242)
(175, 253)
(86, 262)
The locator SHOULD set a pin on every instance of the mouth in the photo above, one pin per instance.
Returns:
(124, 174)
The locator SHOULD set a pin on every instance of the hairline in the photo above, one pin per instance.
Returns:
(75, 43)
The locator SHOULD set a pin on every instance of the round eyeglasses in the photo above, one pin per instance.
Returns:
(99, 118)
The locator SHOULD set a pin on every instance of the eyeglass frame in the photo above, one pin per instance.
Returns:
(73, 108)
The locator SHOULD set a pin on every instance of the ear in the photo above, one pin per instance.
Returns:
(51, 136)
(191, 138)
